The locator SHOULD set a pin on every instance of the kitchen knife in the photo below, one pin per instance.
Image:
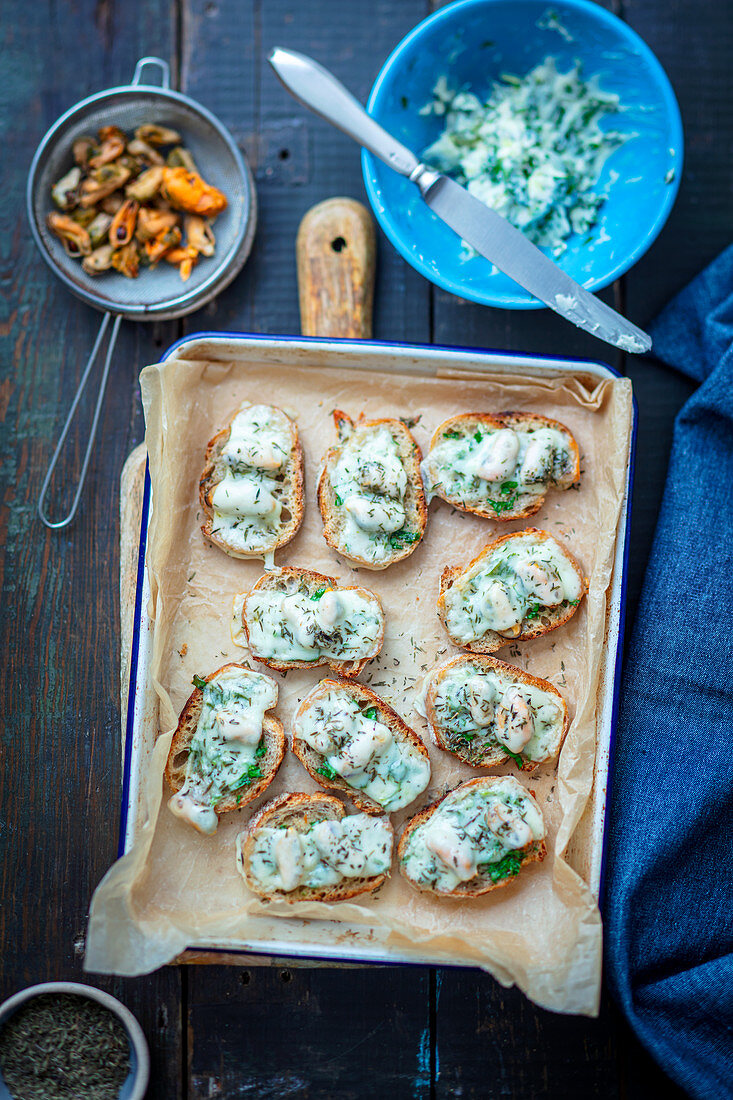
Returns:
(475, 223)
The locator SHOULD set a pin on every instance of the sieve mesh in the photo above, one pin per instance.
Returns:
(158, 293)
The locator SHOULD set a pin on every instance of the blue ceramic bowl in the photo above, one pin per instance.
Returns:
(472, 43)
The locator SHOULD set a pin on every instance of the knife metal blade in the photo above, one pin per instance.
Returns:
(477, 224)
(506, 247)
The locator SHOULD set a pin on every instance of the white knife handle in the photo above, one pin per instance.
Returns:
(319, 90)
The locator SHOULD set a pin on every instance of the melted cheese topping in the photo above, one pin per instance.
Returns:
(508, 589)
(370, 483)
(355, 745)
(247, 502)
(471, 832)
(479, 709)
(327, 854)
(226, 746)
(307, 625)
(496, 467)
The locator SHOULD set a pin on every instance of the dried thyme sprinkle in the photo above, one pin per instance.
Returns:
(60, 1046)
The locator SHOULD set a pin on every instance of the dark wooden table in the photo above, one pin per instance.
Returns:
(270, 1032)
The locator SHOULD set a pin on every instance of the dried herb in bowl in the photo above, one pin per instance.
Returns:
(59, 1045)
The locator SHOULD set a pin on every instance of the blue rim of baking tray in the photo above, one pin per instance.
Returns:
(134, 650)
(135, 641)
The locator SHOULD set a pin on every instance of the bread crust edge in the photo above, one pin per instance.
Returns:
(326, 494)
(492, 641)
(349, 669)
(531, 853)
(497, 757)
(310, 759)
(208, 482)
(272, 730)
(295, 802)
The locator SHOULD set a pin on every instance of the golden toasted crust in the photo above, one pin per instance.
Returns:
(175, 768)
(550, 619)
(300, 811)
(293, 499)
(312, 760)
(467, 423)
(312, 581)
(416, 511)
(492, 756)
(481, 883)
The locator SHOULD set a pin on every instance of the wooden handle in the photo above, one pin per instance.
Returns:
(335, 251)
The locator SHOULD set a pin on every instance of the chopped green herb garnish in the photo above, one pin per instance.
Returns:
(326, 770)
(507, 486)
(477, 436)
(245, 780)
(370, 712)
(398, 539)
(573, 603)
(261, 749)
(452, 434)
(339, 501)
(533, 612)
(507, 867)
(503, 505)
(198, 682)
(518, 760)
(318, 593)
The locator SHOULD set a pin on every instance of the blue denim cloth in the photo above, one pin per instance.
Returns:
(669, 872)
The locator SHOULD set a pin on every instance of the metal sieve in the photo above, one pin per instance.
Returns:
(158, 295)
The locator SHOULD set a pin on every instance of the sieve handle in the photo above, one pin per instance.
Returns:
(56, 525)
(165, 79)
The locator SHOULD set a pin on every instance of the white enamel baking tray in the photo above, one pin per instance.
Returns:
(314, 939)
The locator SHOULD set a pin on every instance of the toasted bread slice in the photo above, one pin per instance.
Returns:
(359, 522)
(458, 451)
(427, 871)
(452, 723)
(300, 812)
(460, 606)
(239, 531)
(356, 622)
(271, 748)
(331, 696)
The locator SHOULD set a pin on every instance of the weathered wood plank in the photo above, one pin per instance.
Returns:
(298, 159)
(314, 1034)
(59, 694)
(494, 1042)
(693, 41)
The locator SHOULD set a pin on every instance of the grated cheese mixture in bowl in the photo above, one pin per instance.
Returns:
(534, 151)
